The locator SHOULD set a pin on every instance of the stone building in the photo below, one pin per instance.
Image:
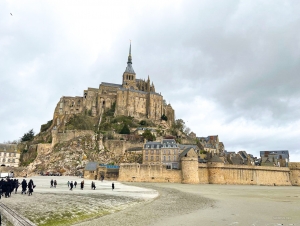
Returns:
(9, 155)
(165, 152)
(134, 97)
(211, 144)
(278, 158)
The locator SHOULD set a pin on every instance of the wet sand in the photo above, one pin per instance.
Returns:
(185, 204)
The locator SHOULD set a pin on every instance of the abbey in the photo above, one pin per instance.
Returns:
(134, 97)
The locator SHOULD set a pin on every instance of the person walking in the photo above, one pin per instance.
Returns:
(31, 186)
(17, 184)
(68, 183)
(71, 185)
(55, 183)
(75, 184)
(24, 186)
(93, 186)
(112, 186)
(81, 185)
(51, 183)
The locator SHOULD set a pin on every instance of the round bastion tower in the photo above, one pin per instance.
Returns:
(189, 169)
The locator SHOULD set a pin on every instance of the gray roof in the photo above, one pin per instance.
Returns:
(182, 154)
(111, 84)
(184, 146)
(91, 166)
(129, 69)
(215, 158)
(169, 141)
(164, 143)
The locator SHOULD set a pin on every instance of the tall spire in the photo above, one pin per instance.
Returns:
(129, 56)
(129, 68)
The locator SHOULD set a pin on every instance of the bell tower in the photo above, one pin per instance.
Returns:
(129, 74)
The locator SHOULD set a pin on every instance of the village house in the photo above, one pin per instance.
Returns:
(9, 155)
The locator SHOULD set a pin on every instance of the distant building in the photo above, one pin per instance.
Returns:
(211, 144)
(167, 152)
(9, 155)
(275, 158)
(141, 130)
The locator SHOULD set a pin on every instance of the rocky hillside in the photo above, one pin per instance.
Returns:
(69, 158)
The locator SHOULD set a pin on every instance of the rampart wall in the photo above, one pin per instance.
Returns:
(118, 147)
(68, 135)
(215, 173)
(148, 173)
(295, 173)
(218, 173)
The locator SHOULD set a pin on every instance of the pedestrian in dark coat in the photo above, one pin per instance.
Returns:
(51, 183)
(75, 184)
(71, 185)
(24, 186)
(112, 186)
(17, 184)
(5, 189)
(55, 183)
(93, 185)
(30, 187)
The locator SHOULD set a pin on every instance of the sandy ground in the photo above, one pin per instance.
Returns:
(60, 206)
(177, 204)
(185, 204)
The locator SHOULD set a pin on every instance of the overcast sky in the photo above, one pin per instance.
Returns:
(228, 68)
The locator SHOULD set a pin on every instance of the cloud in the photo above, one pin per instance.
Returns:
(228, 68)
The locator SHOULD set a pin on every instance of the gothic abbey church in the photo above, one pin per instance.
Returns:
(134, 97)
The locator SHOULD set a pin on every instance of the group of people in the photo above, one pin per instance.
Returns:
(93, 185)
(71, 185)
(53, 183)
(7, 186)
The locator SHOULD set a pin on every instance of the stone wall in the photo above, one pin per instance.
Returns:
(69, 135)
(218, 173)
(148, 173)
(118, 147)
(295, 173)
(215, 173)
(108, 174)
(90, 175)
(189, 169)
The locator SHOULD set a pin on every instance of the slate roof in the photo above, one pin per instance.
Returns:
(165, 142)
(183, 146)
(111, 84)
(185, 151)
(91, 166)
(215, 158)
(236, 160)
(129, 69)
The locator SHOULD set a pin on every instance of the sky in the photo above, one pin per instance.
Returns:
(228, 68)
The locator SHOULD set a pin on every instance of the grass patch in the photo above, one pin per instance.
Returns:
(68, 218)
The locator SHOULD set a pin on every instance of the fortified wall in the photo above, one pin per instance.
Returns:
(68, 135)
(215, 173)
(118, 147)
(295, 173)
